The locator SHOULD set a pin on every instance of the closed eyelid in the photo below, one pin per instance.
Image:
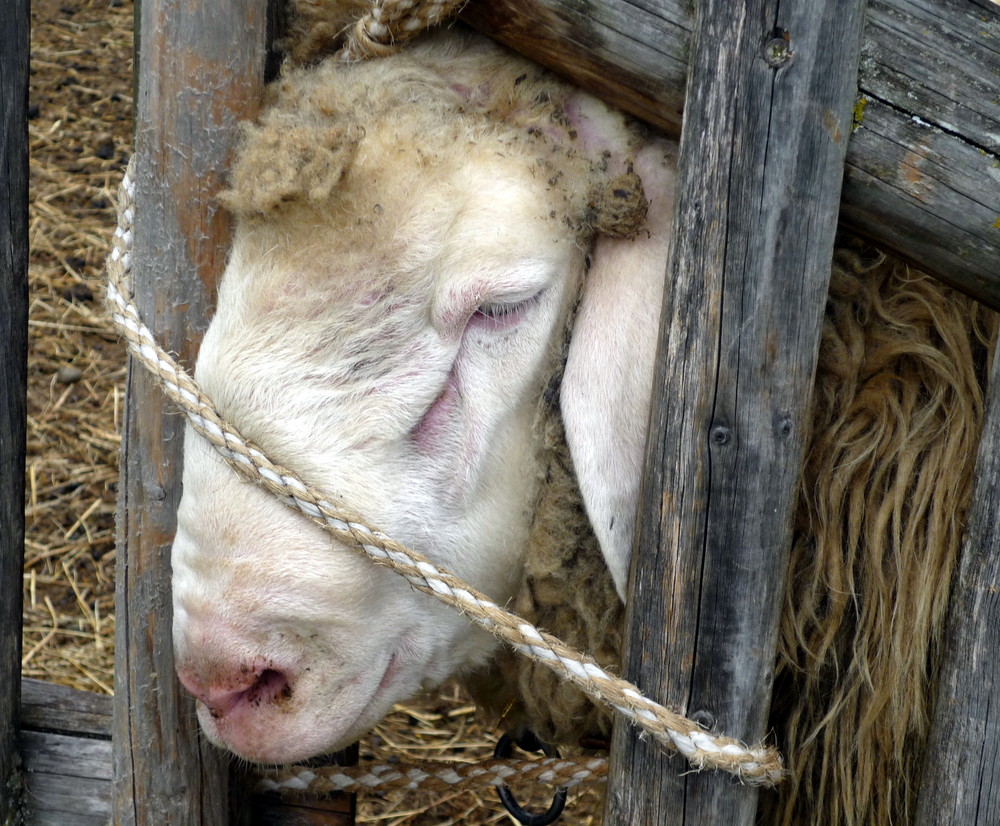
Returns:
(510, 285)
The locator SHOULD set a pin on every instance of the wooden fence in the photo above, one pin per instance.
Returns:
(757, 207)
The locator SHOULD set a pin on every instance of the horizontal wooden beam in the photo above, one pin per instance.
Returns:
(923, 162)
(65, 747)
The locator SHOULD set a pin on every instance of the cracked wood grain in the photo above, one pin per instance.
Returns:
(195, 81)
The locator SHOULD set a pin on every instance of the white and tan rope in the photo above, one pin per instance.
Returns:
(703, 750)
(435, 776)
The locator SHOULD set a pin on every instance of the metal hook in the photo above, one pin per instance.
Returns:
(529, 742)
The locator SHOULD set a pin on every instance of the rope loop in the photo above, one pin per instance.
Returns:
(381, 31)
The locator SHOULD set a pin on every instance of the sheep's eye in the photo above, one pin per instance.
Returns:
(501, 315)
(497, 311)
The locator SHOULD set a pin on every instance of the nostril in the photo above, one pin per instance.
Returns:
(220, 703)
(252, 687)
(272, 686)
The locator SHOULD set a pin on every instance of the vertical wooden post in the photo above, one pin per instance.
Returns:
(765, 131)
(200, 69)
(14, 28)
(959, 784)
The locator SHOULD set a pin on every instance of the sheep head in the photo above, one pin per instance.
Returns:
(411, 242)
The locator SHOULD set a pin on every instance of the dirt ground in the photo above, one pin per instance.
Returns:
(80, 125)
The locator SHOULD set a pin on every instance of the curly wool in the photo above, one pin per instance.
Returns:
(332, 135)
(317, 28)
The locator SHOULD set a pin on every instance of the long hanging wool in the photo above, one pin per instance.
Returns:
(897, 414)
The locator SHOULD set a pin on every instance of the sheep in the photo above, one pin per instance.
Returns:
(440, 306)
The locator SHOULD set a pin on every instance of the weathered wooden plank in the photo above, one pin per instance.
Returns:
(67, 779)
(63, 710)
(933, 64)
(633, 54)
(66, 800)
(195, 83)
(63, 754)
(57, 818)
(761, 164)
(195, 80)
(13, 376)
(907, 177)
(926, 155)
(65, 748)
(936, 58)
(959, 785)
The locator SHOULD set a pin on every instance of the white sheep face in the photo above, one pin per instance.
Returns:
(413, 397)
(390, 335)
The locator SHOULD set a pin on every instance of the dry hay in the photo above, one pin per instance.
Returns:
(79, 132)
(80, 138)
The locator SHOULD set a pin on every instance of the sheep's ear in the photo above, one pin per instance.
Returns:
(607, 386)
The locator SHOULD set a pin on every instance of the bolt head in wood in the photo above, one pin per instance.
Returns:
(777, 52)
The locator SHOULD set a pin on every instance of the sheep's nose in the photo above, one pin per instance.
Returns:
(250, 687)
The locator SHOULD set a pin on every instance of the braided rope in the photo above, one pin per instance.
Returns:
(434, 776)
(702, 749)
(384, 28)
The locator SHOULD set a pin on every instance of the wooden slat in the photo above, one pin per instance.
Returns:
(961, 770)
(199, 71)
(62, 710)
(632, 54)
(66, 800)
(55, 753)
(196, 81)
(761, 163)
(65, 747)
(13, 375)
(67, 779)
(930, 72)
(60, 818)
